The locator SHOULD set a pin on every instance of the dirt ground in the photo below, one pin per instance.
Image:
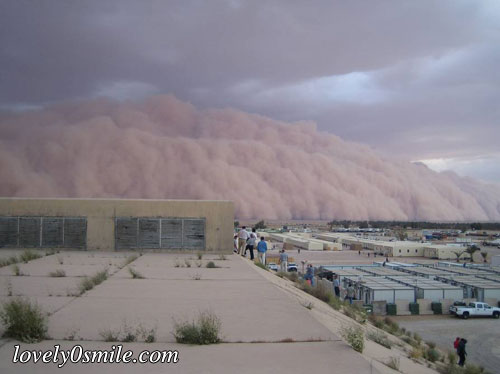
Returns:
(482, 336)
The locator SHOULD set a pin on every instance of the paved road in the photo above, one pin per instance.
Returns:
(482, 335)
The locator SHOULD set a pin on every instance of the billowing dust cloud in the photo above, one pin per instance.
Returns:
(168, 149)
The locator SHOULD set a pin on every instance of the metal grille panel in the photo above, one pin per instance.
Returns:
(8, 231)
(52, 232)
(149, 233)
(194, 234)
(166, 233)
(67, 232)
(126, 233)
(171, 233)
(29, 231)
(75, 232)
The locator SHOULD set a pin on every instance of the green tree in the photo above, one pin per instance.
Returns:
(458, 254)
(400, 234)
(476, 226)
(471, 249)
(261, 225)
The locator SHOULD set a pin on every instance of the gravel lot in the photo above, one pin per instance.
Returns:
(482, 335)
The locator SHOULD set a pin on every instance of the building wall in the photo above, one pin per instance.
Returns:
(444, 253)
(101, 214)
(408, 251)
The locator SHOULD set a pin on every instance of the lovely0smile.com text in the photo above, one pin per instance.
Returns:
(77, 354)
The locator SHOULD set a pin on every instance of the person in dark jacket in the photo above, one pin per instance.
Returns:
(461, 351)
(336, 285)
(310, 274)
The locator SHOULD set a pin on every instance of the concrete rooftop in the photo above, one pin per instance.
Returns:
(258, 312)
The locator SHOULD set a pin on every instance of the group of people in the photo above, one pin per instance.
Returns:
(245, 241)
(350, 292)
(459, 345)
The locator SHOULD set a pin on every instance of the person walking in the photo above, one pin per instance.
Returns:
(350, 293)
(242, 240)
(283, 261)
(251, 244)
(461, 351)
(262, 249)
(336, 285)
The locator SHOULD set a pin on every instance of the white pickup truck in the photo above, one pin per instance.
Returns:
(476, 309)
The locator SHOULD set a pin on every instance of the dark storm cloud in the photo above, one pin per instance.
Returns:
(416, 79)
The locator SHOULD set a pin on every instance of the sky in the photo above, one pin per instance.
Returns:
(414, 80)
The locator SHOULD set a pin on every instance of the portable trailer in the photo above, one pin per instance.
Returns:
(431, 289)
(474, 287)
(370, 289)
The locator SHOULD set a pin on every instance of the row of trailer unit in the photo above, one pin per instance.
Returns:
(373, 288)
(396, 248)
(482, 289)
(371, 285)
(383, 283)
(339, 241)
(304, 242)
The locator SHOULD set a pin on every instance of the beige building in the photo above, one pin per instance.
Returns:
(445, 252)
(117, 224)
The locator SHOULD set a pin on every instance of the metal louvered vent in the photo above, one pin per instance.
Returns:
(149, 233)
(75, 232)
(166, 233)
(52, 232)
(8, 231)
(29, 232)
(126, 233)
(65, 232)
(171, 233)
(193, 235)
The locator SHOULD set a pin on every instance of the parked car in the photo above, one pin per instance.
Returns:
(272, 266)
(475, 309)
(292, 266)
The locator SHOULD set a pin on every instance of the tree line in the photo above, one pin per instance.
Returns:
(462, 226)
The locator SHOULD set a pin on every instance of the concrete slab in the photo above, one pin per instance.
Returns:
(43, 270)
(171, 273)
(157, 302)
(403, 308)
(424, 306)
(48, 304)
(161, 266)
(274, 358)
(46, 264)
(38, 286)
(171, 260)
(7, 252)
